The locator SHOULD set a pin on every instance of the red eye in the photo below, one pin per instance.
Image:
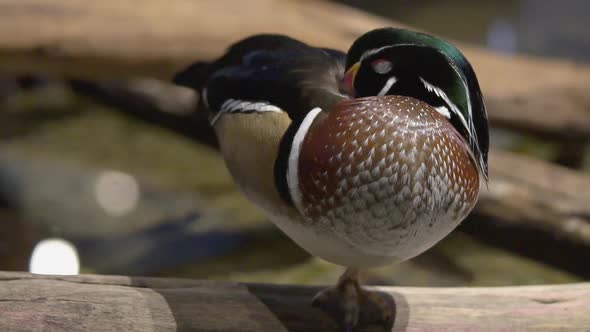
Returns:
(382, 66)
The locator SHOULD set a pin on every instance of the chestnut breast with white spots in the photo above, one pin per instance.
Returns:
(388, 175)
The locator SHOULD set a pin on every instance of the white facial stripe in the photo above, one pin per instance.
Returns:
(238, 106)
(440, 93)
(482, 165)
(390, 82)
(293, 163)
(467, 123)
(470, 125)
(368, 53)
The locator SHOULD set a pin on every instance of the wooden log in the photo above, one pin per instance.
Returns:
(91, 39)
(530, 193)
(111, 303)
(537, 209)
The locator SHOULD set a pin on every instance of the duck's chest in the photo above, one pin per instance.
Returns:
(388, 180)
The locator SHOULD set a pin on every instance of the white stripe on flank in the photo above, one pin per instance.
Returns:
(215, 118)
(237, 106)
(292, 166)
(390, 82)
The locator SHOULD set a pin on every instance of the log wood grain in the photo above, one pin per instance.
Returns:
(530, 193)
(111, 303)
(91, 39)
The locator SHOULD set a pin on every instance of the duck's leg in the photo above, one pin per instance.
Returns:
(342, 301)
(347, 302)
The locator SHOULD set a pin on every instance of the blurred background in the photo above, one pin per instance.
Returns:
(108, 177)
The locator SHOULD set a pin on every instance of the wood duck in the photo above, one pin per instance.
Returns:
(363, 159)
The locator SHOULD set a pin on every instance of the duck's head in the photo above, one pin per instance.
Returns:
(392, 61)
